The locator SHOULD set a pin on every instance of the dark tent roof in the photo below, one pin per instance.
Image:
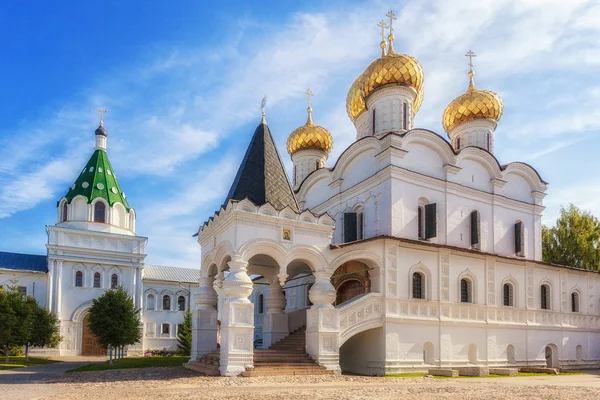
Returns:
(261, 177)
(23, 262)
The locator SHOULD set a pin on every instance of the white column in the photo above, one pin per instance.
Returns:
(204, 319)
(275, 325)
(323, 324)
(237, 323)
(50, 285)
(59, 270)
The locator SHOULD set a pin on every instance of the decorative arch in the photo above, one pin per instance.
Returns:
(79, 208)
(268, 247)
(63, 210)
(550, 294)
(477, 154)
(575, 299)
(80, 311)
(433, 141)
(509, 280)
(97, 208)
(420, 268)
(352, 153)
(119, 215)
(364, 256)
(309, 255)
(527, 172)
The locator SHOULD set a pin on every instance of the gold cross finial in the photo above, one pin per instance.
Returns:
(309, 93)
(470, 54)
(102, 111)
(263, 104)
(392, 17)
(383, 43)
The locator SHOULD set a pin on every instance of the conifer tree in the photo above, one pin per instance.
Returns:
(184, 335)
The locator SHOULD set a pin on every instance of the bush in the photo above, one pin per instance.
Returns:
(163, 353)
(15, 351)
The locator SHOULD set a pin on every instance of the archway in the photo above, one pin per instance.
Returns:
(472, 354)
(550, 352)
(89, 342)
(359, 353)
(350, 280)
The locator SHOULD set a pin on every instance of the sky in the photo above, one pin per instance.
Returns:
(183, 80)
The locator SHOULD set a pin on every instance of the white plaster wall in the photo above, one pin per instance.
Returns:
(35, 282)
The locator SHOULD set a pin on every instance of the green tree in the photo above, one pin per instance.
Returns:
(574, 240)
(16, 314)
(184, 335)
(114, 320)
(45, 329)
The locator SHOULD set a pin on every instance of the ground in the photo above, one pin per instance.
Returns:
(178, 383)
(21, 362)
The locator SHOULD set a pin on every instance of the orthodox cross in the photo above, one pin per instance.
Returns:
(102, 111)
(383, 26)
(309, 94)
(263, 104)
(470, 54)
(392, 17)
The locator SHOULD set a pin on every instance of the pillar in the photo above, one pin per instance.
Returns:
(275, 325)
(204, 319)
(323, 324)
(237, 321)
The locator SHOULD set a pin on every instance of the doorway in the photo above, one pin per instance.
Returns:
(89, 342)
(550, 357)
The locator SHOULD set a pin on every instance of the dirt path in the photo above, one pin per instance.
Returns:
(178, 383)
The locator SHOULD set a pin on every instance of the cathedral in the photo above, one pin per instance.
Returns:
(410, 251)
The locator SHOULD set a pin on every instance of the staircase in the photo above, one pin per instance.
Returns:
(286, 357)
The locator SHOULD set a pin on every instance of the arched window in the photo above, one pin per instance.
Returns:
(508, 295)
(466, 291)
(150, 302)
(545, 297)
(510, 354)
(96, 279)
(418, 287)
(575, 302)
(260, 303)
(99, 212)
(64, 212)
(79, 278)
(181, 303)
(579, 352)
(114, 281)
(421, 222)
(475, 230)
(166, 302)
(458, 143)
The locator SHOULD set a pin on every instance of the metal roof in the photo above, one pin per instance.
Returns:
(23, 262)
(170, 274)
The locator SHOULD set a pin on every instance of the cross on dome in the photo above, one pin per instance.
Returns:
(309, 93)
(102, 111)
(383, 43)
(263, 104)
(470, 54)
(391, 17)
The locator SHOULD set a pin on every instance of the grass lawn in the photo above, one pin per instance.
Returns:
(20, 362)
(135, 362)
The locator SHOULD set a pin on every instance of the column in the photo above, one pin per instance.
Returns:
(237, 321)
(59, 284)
(275, 325)
(323, 324)
(50, 285)
(204, 319)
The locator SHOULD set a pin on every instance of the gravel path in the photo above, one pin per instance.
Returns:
(178, 383)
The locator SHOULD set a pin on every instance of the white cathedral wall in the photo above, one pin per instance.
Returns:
(34, 282)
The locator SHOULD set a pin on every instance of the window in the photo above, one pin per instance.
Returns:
(466, 291)
(64, 212)
(404, 116)
(427, 220)
(457, 143)
(99, 212)
(507, 291)
(519, 239)
(150, 302)
(166, 302)
(165, 329)
(575, 302)
(350, 225)
(181, 303)
(78, 278)
(475, 230)
(373, 128)
(96, 279)
(545, 297)
(359, 225)
(261, 303)
(418, 288)
(114, 281)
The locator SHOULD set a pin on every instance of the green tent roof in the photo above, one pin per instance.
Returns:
(98, 180)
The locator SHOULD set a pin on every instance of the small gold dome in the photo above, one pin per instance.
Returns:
(392, 68)
(309, 136)
(474, 104)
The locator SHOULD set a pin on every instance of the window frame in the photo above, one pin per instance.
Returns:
(166, 297)
(78, 278)
(148, 302)
(420, 287)
(99, 281)
(179, 307)
(64, 212)
(98, 204)
(467, 291)
(162, 329)
(575, 302)
(545, 297)
(114, 280)
(508, 299)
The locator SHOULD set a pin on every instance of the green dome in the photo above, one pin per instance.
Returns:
(98, 180)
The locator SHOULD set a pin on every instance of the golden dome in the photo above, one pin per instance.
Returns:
(309, 136)
(392, 68)
(474, 104)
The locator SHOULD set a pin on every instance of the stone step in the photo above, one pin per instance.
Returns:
(203, 368)
(275, 365)
(280, 372)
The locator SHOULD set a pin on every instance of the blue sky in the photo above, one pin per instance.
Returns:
(183, 83)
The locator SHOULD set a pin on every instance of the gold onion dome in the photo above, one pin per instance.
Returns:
(474, 104)
(309, 136)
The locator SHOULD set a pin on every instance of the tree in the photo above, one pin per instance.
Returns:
(16, 314)
(184, 336)
(574, 240)
(114, 320)
(45, 329)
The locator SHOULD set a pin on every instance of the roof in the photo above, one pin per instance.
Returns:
(23, 262)
(170, 274)
(98, 179)
(261, 177)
